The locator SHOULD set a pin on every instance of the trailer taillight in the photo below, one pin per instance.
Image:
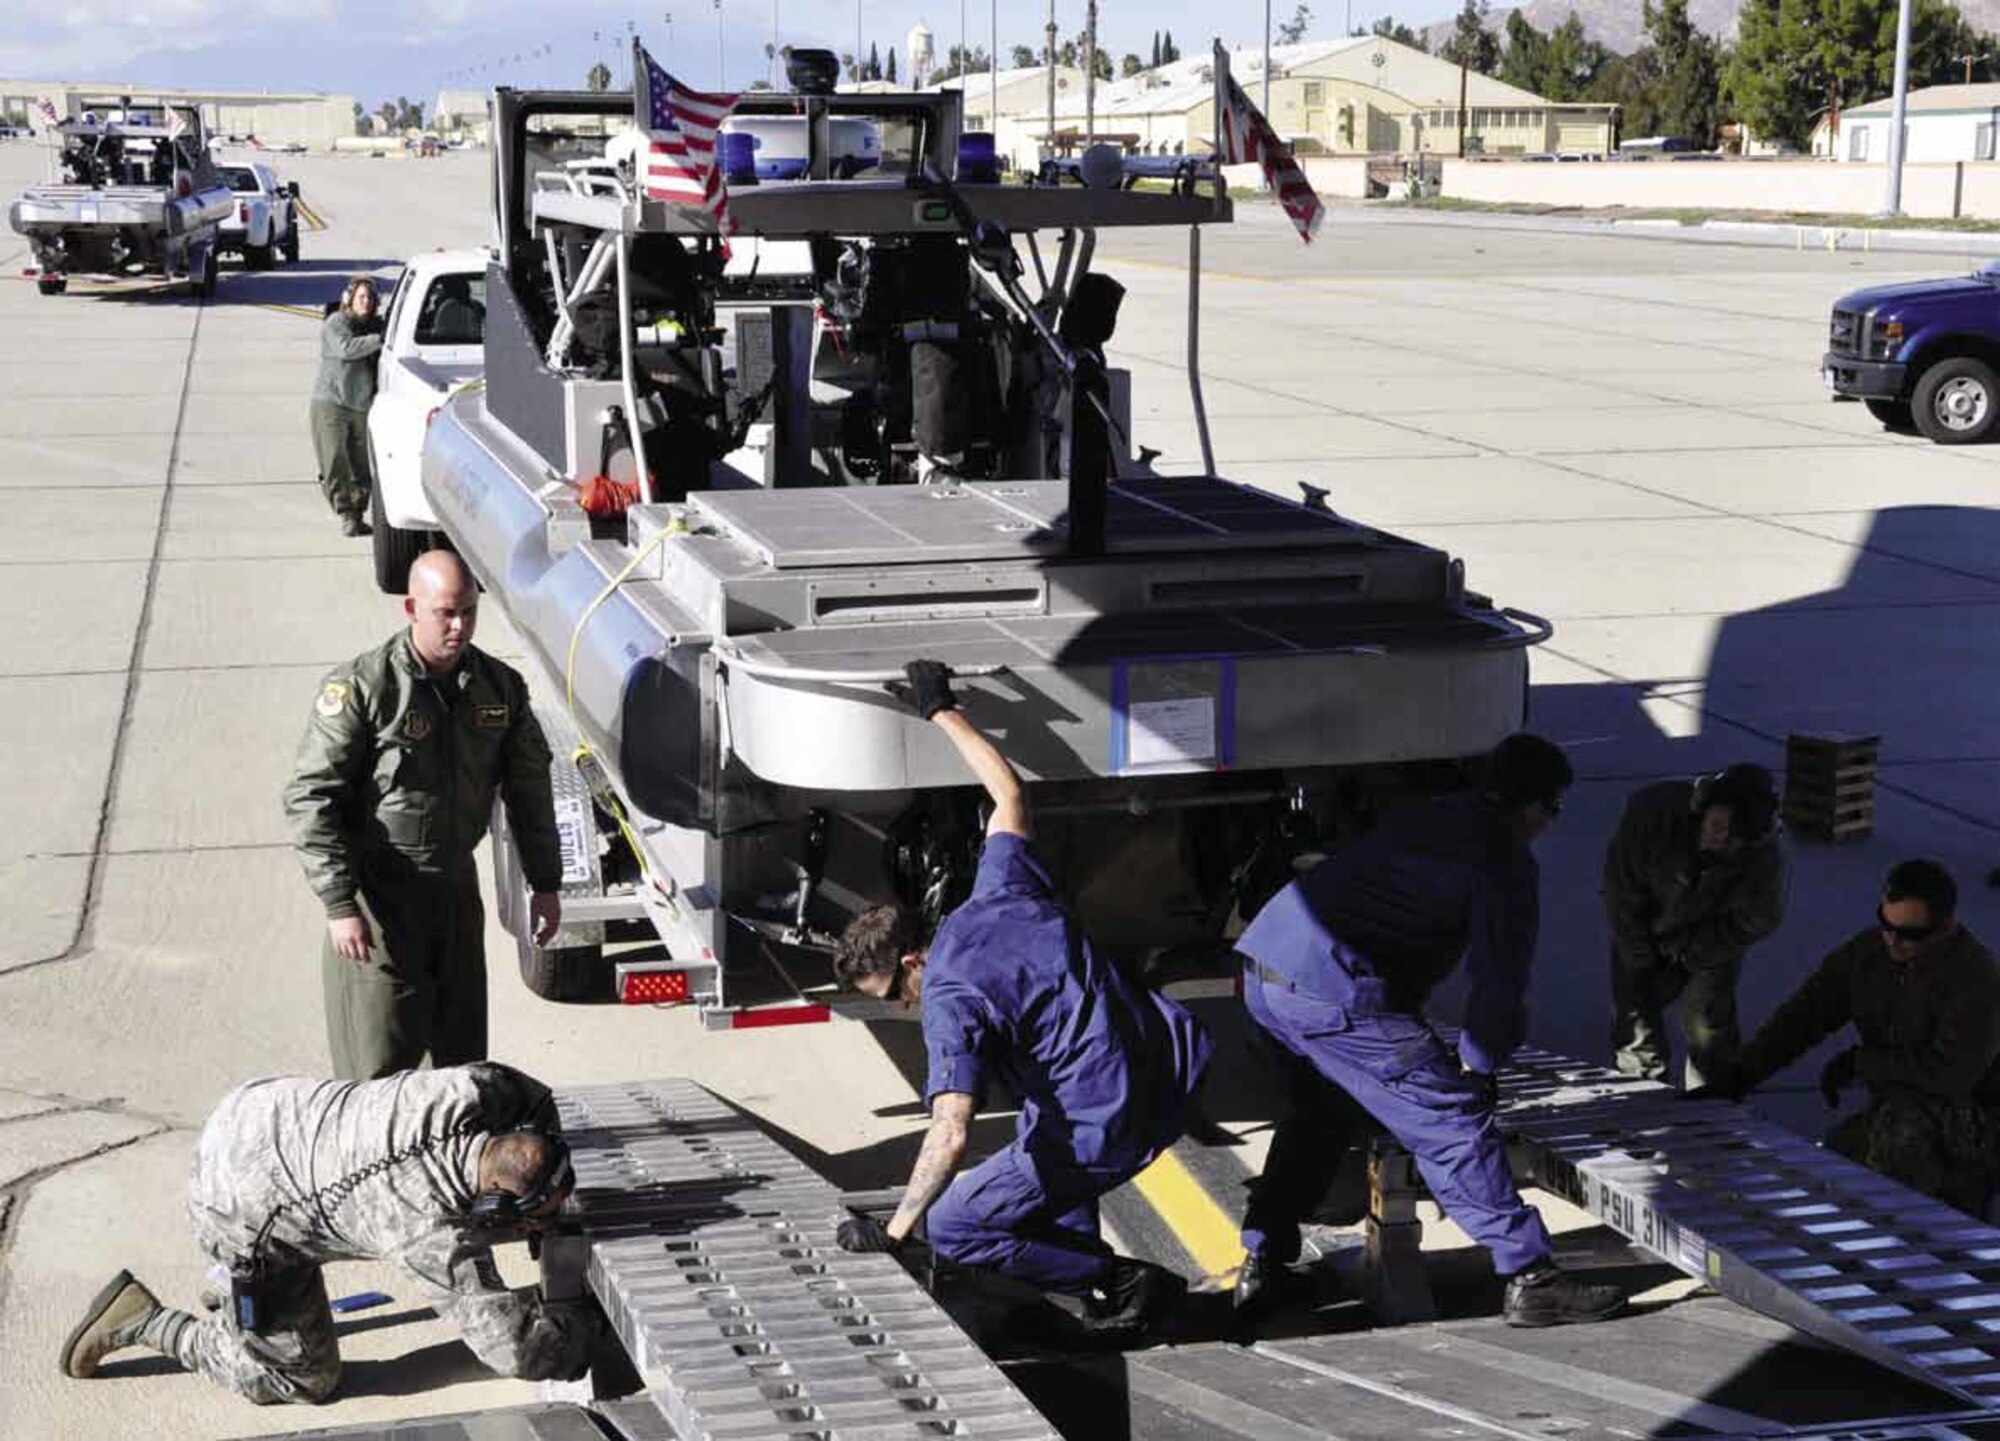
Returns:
(779, 1016)
(652, 988)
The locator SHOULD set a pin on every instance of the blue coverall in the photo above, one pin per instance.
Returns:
(1104, 1071)
(1336, 968)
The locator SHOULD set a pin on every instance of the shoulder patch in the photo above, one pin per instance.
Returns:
(492, 717)
(332, 698)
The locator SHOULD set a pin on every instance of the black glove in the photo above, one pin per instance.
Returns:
(1485, 1088)
(930, 687)
(865, 1233)
(1839, 1073)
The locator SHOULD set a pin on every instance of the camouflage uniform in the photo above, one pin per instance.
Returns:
(1681, 924)
(1929, 1031)
(393, 789)
(301, 1172)
(342, 392)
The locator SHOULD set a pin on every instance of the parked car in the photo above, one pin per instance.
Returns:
(1923, 355)
(265, 222)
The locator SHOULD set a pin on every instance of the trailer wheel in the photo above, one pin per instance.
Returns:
(567, 973)
(257, 257)
(52, 284)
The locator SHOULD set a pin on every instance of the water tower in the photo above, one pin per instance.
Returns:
(917, 50)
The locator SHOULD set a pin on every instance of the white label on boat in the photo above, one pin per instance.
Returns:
(1170, 732)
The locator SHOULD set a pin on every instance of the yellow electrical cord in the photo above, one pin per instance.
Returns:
(583, 753)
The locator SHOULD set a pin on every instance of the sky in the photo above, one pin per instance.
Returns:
(379, 49)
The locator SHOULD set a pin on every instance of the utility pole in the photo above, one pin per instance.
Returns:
(1267, 59)
(1050, 55)
(1892, 203)
(1465, 119)
(1090, 72)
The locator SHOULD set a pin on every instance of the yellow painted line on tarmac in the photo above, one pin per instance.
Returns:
(1203, 1229)
(307, 312)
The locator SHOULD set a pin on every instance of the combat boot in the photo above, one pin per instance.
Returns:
(1544, 1295)
(124, 1314)
(1261, 1284)
(1136, 1298)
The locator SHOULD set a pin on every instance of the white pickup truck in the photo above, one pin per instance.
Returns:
(265, 222)
(433, 343)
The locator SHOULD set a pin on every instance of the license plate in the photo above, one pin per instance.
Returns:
(1826, 378)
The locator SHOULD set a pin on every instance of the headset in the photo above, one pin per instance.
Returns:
(495, 1208)
(1750, 794)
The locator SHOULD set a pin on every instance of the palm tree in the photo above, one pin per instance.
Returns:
(599, 78)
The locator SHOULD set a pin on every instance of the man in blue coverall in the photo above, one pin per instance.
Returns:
(1011, 991)
(1335, 970)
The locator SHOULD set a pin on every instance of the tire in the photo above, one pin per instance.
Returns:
(51, 284)
(1894, 414)
(203, 274)
(289, 246)
(567, 973)
(1957, 401)
(257, 257)
(395, 548)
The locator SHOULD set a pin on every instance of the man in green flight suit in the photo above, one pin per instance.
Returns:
(393, 788)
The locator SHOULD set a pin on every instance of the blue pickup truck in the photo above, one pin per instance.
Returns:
(1925, 355)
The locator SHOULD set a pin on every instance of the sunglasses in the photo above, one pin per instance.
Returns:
(1903, 933)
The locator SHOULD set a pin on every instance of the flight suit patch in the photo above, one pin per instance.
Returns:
(491, 717)
(332, 698)
(416, 725)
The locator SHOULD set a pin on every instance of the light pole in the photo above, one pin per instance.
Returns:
(720, 68)
(1090, 72)
(964, 40)
(669, 18)
(1267, 59)
(771, 71)
(1892, 203)
(993, 68)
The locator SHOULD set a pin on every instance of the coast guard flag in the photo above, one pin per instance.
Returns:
(1247, 136)
(680, 163)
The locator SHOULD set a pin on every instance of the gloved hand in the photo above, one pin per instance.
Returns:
(1838, 1074)
(930, 687)
(1728, 1082)
(865, 1233)
(1485, 1088)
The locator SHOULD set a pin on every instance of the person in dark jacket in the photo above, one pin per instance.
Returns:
(349, 342)
(1923, 996)
(1336, 968)
(394, 784)
(1695, 876)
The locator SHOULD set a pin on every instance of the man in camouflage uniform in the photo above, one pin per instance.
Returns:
(394, 784)
(291, 1173)
(1694, 876)
(1924, 997)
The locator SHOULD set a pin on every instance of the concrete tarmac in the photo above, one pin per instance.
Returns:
(1625, 435)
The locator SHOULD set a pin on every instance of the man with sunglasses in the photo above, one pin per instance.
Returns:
(1923, 996)
(427, 1170)
(1695, 875)
(1011, 991)
(1336, 968)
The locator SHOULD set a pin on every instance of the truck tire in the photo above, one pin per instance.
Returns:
(257, 257)
(567, 973)
(1957, 401)
(1894, 414)
(52, 284)
(396, 549)
(289, 246)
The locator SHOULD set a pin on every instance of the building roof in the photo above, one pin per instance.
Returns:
(1985, 96)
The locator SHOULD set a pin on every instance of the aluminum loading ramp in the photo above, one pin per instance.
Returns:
(1767, 1218)
(712, 1251)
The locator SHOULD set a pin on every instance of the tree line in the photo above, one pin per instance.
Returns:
(1792, 62)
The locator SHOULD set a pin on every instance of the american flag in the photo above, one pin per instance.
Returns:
(1247, 136)
(680, 164)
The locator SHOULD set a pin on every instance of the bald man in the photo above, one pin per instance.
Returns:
(394, 783)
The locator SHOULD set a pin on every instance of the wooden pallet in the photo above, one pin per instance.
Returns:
(1830, 784)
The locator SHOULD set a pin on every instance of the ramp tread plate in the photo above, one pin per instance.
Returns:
(1767, 1218)
(713, 1253)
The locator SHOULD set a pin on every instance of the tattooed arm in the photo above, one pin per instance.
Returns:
(943, 1149)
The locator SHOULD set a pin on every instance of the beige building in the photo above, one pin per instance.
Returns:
(316, 119)
(1363, 95)
(460, 113)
